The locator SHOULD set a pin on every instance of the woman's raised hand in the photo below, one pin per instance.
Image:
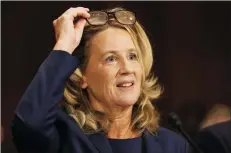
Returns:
(68, 34)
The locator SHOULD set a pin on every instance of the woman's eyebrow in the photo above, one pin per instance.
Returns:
(109, 52)
(116, 51)
(132, 50)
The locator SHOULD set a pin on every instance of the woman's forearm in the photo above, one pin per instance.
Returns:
(39, 104)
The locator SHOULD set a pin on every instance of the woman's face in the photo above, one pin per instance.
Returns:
(113, 74)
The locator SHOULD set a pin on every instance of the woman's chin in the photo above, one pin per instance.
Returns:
(128, 101)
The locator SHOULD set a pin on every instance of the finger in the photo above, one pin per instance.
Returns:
(54, 22)
(71, 8)
(79, 11)
(87, 9)
(79, 26)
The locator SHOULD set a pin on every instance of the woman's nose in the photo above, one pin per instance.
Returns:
(126, 67)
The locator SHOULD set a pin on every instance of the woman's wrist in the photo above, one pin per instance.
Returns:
(61, 46)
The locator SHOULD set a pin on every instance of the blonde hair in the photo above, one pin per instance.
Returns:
(144, 115)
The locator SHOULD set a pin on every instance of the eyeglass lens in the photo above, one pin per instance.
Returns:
(125, 17)
(100, 17)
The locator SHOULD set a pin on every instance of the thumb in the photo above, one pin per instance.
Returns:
(79, 26)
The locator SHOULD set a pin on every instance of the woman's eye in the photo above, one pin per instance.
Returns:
(110, 59)
(132, 57)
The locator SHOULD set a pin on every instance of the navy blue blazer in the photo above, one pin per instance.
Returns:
(41, 126)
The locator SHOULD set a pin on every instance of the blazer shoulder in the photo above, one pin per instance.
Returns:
(171, 141)
(169, 135)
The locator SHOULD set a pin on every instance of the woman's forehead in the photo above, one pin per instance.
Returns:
(113, 39)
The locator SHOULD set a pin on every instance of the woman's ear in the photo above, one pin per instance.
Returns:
(83, 82)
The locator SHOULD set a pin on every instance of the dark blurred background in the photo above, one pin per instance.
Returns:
(192, 52)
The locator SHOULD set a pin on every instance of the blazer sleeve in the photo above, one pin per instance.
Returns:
(33, 126)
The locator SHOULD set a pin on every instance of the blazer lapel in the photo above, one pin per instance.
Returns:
(100, 141)
(151, 143)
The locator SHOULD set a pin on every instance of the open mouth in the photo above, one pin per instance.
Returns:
(125, 85)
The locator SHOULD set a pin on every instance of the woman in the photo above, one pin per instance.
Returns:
(99, 101)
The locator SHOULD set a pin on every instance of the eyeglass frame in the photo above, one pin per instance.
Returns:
(112, 15)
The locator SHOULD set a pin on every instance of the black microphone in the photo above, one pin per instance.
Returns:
(175, 122)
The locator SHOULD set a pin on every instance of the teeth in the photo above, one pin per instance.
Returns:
(126, 85)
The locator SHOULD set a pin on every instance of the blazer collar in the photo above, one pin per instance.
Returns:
(151, 143)
(101, 143)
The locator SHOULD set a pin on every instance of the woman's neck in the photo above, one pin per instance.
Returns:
(120, 126)
(120, 118)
